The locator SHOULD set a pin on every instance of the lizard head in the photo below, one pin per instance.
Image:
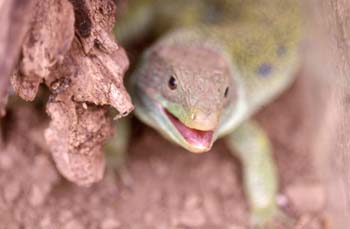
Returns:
(187, 89)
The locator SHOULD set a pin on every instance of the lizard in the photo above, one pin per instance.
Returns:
(215, 64)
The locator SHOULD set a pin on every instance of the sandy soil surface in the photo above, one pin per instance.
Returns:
(161, 185)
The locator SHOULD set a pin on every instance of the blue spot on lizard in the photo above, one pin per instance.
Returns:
(264, 69)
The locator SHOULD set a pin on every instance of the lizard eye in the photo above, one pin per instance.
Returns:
(172, 83)
(226, 92)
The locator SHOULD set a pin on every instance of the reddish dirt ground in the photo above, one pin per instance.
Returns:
(161, 185)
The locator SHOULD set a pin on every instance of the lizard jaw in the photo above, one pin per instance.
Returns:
(199, 140)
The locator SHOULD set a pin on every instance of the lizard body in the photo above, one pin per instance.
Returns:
(253, 56)
(217, 64)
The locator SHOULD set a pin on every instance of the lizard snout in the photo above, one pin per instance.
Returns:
(200, 120)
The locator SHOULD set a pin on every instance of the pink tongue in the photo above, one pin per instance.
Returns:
(192, 136)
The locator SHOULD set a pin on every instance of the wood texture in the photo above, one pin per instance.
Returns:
(15, 17)
(69, 46)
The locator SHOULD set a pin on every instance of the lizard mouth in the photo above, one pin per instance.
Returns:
(201, 140)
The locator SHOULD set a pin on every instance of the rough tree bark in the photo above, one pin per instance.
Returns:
(15, 18)
(68, 45)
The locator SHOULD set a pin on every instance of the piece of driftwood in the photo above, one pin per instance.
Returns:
(15, 17)
(70, 48)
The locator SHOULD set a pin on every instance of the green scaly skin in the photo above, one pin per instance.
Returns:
(229, 58)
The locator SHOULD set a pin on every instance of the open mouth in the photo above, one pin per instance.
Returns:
(199, 138)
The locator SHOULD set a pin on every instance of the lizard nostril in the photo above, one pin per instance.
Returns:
(193, 116)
